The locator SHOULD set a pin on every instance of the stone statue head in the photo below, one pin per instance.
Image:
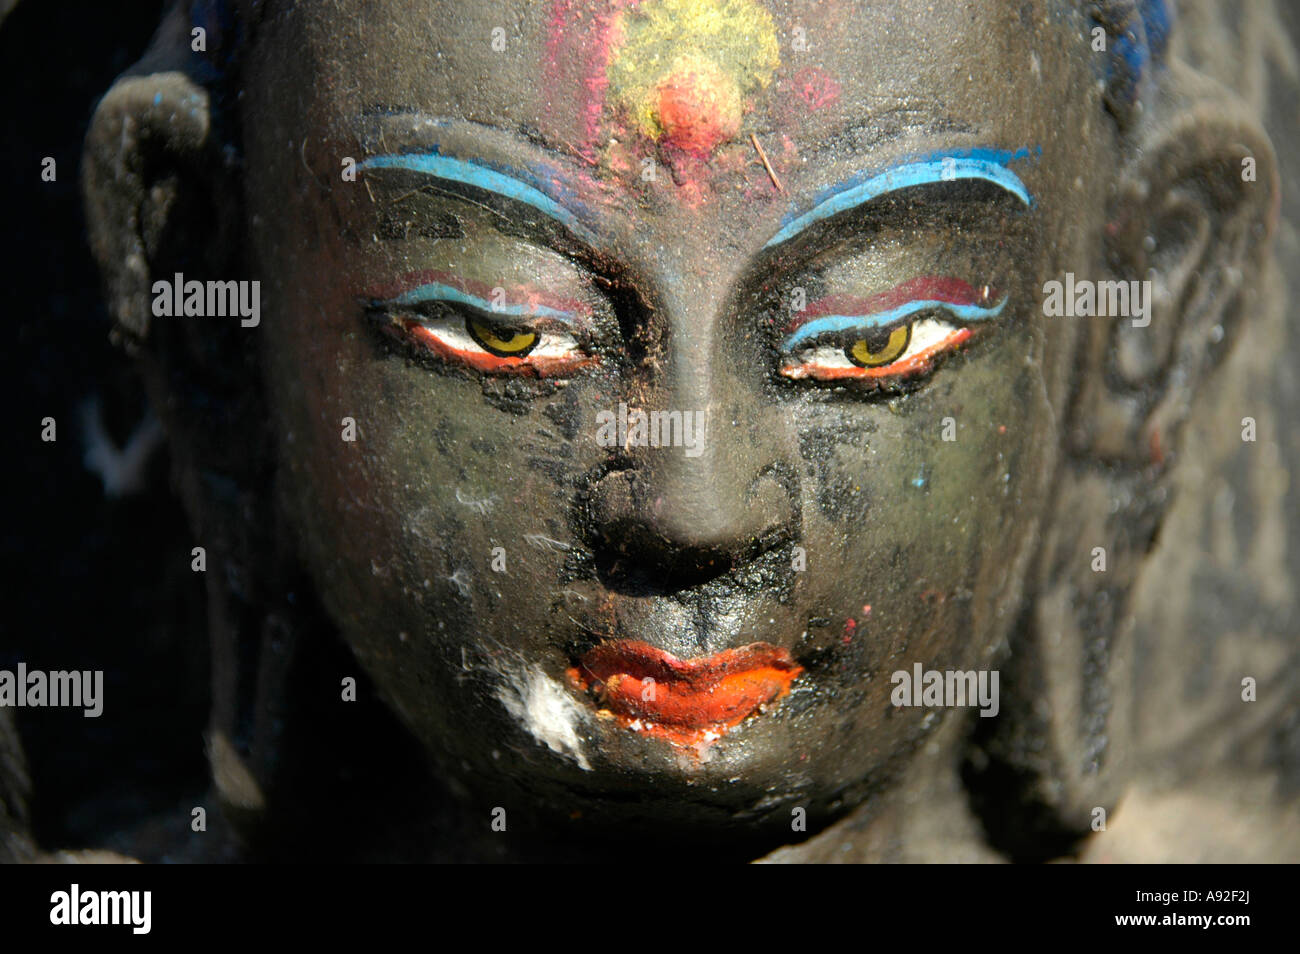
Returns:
(638, 386)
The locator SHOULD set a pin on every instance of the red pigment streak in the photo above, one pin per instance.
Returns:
(695, 701)
(1157, 451)
(952, 291)
(919, 362)
(580, 37)
(518, 295)
(538, 367)
(815, 87)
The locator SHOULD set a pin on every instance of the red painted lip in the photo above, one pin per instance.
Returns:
(690, 701)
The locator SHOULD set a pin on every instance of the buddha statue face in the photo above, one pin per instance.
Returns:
(650, 381)
(541, 234)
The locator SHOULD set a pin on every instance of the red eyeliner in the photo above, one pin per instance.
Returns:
(944, 288)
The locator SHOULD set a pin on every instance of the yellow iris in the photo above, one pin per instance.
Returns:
(501, 342)
(860, 353)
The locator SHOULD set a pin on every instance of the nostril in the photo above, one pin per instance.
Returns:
(648, 542)
(633, 560)
(632, 553)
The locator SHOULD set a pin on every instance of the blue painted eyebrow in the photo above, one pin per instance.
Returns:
(437, 291)
(819, 326)
(481, 177)
(987, 165)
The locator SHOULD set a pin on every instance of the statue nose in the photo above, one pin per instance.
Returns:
(669, 527)
(670, 517)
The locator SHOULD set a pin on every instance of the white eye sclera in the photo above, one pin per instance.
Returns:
(900, 341)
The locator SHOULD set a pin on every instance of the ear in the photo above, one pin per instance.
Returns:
(1194, 214)
(161, 195)
(1193, 217)
(162, 192)
(155, 178)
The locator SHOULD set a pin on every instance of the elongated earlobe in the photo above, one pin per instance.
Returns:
(162, 192)
(1191, 225)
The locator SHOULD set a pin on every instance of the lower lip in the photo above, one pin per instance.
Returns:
(688, 702)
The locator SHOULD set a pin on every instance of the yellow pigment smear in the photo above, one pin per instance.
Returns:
(675, 54)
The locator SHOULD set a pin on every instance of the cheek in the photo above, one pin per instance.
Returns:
(447, 514)
(927, 507)
(445, 478)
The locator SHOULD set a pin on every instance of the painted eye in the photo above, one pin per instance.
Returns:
(879, 355)
(504, 343)
(893, 335)
(433, 313)
(879, 349)
(485, 345)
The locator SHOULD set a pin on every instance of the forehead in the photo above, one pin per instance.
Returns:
(749, 108)
(572, 69)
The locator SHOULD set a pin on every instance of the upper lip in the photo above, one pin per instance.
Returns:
(689, 700)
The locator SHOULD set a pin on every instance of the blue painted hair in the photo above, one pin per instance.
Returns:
(1137, 35)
